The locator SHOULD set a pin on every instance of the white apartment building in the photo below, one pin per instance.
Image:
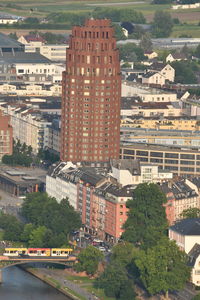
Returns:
(31, 89)
(59, 187)
(147, 94)
(28, 125)
(134, 172)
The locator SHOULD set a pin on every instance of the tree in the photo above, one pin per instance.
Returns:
(42, 210)
(11, 226)
(146, 43)
(116, 283)
(190, 213)
(25, 236)
(119, 34)
(163, 267)
(162, 24)
(197, 51)
(13, 35)
(146, 221)
(130, 52)
(37, 237)
(185, 72)
(162, 1)
(88, 260)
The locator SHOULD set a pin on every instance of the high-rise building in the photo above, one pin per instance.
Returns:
(90, 128)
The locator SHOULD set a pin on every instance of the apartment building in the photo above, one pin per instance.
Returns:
(132, 106)
(100, 193)
(6, 135)
(179, 160)
(147, 94)
(31, 89)
(28, 124)
(164, 69)
(171, 137)
(186, 234)
(22, 66)
(153, 78)
(168, 123)
(90, 126)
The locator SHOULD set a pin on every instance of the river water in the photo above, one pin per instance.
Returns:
(20, 285)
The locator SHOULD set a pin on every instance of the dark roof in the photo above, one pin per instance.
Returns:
(178, 55)
(117, 191)
(187, 227)
(131, 165)
(157, 66)
(148, 74)
(196, 181)
(193, 255)
(23, 57)
(7, 42)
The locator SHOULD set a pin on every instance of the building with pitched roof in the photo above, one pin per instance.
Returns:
(186, 233)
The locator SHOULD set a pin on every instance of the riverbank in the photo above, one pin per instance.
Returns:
(57, 279)
(52, 282)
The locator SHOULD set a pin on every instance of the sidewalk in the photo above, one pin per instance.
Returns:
(59, 276)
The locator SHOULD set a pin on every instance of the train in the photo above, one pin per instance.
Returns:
(64, 252)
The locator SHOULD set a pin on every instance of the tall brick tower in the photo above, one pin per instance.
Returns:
(90, 129)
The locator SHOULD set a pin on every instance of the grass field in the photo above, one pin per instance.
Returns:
(88, 285)
(189, 30)
(43, 7)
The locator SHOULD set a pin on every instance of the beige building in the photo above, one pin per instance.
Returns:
(168, 123)
(179, 160)
(28, 125)
(164, 69)
(175, 57)
(151, 54)
(133, 107)
(153, 78)
(31, 90)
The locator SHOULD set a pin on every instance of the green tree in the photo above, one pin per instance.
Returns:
(119, 34)
(163, 267)
(116, 283)
(192, 212)
(59, 218)
(162, 24)
(88, 260)
(197, 51)
(12, 227)
(28, 228)
(185, 72)
(37, 237)
(146, 43)
(146, 221)
(131, 52)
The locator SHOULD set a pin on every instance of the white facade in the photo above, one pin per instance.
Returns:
(148, 173)
(28, 128)
(38, 68)
(58, 187)
(147, 94)
(52, 52)
(185, 242)
(31, 90)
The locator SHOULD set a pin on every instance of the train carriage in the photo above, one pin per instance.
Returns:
(15, 251)
(61, 252)
(39, 251)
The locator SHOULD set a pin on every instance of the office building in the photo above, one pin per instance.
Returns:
(91, 94)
